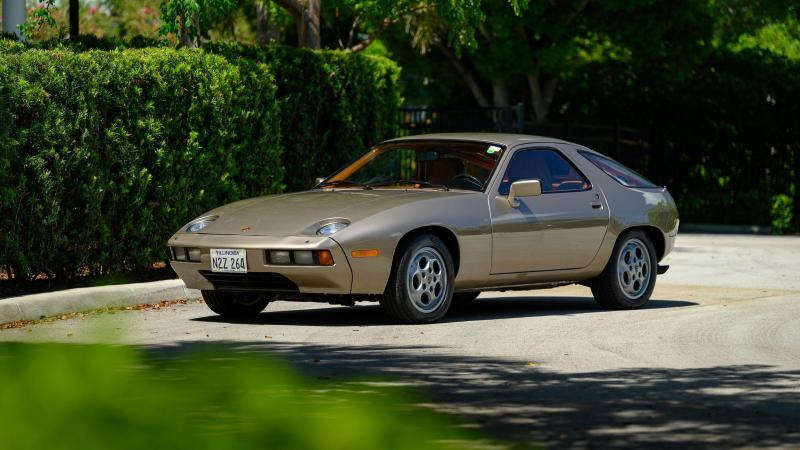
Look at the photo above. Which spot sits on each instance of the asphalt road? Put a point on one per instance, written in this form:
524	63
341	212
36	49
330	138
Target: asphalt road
713	362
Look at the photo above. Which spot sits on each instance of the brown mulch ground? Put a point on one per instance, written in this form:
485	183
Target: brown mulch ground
81	315
12	288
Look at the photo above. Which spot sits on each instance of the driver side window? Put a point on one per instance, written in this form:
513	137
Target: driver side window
553	170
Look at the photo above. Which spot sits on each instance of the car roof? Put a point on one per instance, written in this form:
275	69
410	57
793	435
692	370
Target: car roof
506	139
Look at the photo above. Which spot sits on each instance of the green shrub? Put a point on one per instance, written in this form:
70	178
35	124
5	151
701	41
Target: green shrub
102	397
782	216
333	105
8	44
104	154
86	42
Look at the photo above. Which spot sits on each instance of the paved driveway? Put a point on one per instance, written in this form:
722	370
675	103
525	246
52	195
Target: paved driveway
713	362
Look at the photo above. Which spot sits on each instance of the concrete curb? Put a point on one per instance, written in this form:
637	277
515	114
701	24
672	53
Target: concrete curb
39	306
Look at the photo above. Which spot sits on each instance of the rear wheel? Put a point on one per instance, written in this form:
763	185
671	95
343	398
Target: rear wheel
629	277
230	304
420	287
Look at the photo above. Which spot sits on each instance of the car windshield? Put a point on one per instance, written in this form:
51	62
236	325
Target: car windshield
420	165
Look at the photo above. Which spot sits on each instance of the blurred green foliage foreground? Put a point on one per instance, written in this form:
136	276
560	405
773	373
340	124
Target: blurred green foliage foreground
102	397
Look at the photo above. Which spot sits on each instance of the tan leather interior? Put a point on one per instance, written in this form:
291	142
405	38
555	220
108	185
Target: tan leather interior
442	169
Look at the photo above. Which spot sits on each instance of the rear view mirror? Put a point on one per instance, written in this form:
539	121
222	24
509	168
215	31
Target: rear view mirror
523	188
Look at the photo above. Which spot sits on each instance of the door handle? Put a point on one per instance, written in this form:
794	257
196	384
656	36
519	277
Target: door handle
596	205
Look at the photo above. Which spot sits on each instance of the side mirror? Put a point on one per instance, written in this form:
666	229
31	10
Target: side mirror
523	188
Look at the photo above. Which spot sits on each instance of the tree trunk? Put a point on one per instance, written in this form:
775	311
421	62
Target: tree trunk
500	95
74	20
469	77
311	15
542	95
190	41
14	15
266	31
262	23
306	16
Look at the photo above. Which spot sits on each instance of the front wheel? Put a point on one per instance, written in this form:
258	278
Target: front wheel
230	304
629	277
420	287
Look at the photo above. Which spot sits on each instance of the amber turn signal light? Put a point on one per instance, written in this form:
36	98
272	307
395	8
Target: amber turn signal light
365	253
325	258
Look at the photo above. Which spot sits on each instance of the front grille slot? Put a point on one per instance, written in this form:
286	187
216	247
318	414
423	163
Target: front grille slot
252	281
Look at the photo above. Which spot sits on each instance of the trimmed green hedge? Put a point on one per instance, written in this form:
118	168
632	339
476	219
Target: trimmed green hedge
9	45
334	104
104	154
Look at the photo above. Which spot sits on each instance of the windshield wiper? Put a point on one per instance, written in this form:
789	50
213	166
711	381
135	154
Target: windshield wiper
424	183
334	183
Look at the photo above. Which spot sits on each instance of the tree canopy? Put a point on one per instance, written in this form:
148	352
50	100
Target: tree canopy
498	51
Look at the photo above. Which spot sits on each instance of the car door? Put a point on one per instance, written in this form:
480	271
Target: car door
560	229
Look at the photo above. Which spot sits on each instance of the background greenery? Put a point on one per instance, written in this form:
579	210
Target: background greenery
711	86
727	131
101	397
104	154
336	104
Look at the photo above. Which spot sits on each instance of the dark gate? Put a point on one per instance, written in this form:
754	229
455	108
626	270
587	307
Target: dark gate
506	119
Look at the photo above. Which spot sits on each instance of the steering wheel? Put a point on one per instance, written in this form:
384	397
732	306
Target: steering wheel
468	178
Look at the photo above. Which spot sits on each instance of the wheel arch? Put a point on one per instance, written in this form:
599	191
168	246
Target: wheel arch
656	237
445	234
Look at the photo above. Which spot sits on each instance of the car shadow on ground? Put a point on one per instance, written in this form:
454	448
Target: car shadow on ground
491	308
737	406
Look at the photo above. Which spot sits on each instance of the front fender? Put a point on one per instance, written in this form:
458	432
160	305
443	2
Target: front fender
466	216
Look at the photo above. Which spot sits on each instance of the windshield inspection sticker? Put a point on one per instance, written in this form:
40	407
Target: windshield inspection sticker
493	149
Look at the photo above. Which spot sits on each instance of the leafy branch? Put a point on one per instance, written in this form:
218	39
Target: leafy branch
190	20
40	18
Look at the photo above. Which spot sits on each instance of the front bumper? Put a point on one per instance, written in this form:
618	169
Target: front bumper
335	279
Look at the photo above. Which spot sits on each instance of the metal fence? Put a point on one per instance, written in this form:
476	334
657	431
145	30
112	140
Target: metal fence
629	145
735	184
507	119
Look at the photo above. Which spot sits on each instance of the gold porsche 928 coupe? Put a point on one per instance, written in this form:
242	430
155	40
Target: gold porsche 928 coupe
422	222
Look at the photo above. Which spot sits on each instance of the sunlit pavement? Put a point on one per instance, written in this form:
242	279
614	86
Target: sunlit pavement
713	362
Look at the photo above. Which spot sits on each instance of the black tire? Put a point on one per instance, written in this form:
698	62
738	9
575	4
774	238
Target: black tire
398	303
231	304
609	289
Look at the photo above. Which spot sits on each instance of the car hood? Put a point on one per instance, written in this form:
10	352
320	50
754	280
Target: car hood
303	212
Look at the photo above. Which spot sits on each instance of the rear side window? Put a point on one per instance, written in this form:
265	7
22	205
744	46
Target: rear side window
624	175
554	172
